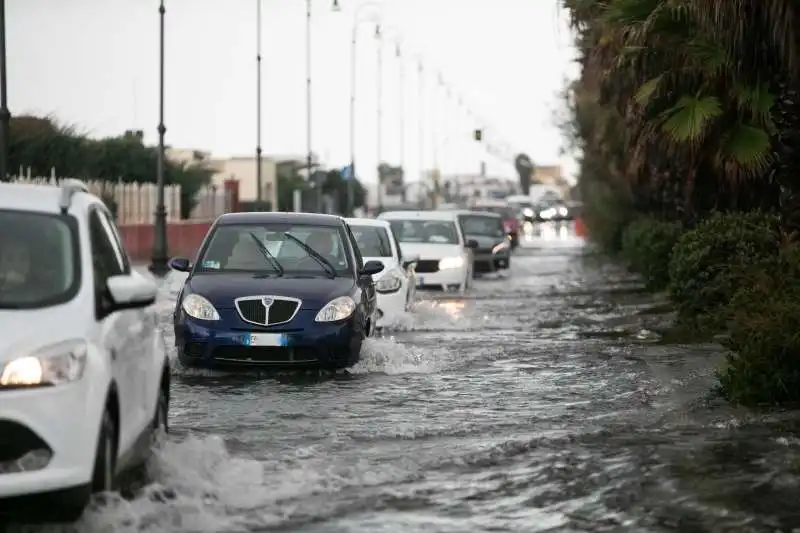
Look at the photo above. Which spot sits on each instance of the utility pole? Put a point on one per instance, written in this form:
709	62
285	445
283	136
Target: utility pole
259	166
5	115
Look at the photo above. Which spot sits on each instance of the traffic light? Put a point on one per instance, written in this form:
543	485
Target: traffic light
478	135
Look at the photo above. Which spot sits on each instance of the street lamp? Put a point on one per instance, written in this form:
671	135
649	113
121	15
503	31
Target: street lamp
259	170
380	33
159	265
309	125
379	114
421	118
5	116
353	84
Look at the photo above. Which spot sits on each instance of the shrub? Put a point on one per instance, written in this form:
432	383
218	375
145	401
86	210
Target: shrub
764	338
647	245
708	262
606	214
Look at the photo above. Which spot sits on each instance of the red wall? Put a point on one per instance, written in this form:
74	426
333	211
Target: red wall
183	239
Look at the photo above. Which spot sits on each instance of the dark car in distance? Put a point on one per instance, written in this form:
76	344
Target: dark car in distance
493	250
275	290
511	221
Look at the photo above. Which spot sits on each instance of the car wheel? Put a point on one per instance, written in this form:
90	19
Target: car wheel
105	459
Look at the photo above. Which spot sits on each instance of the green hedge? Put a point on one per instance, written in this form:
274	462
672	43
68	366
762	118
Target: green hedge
647	245
764	334
708	263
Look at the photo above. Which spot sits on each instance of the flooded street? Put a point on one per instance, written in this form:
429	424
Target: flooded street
542	400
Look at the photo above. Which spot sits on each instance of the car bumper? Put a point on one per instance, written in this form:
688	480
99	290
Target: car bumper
62	421
441	278
201	345
489	262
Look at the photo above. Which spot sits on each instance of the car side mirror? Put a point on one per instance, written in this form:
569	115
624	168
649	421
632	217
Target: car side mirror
472	244
371	268
131	291
181	264
410	260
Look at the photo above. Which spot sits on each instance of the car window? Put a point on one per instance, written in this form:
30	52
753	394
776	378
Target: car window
359	256
483	226
425	231
110	228
242	247
106	261
372	241
39	259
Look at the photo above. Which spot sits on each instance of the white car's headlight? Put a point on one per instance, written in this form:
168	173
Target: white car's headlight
337	309
500	247
198	307
52	365
390	282
528	212
451	262
562	211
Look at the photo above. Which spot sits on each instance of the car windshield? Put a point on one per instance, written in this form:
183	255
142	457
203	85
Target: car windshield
373	241
277	249
502	210
39	259
482	226
425	231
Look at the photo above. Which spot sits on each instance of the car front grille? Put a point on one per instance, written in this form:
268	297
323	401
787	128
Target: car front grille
264	355
427	266
267	310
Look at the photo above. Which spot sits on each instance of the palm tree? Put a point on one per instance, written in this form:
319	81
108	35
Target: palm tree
703	93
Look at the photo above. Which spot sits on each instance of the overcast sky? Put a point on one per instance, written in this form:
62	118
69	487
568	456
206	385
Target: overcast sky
94	64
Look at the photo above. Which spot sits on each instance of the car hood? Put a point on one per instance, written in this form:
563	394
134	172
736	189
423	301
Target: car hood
427	250
222	289
486	242
21	337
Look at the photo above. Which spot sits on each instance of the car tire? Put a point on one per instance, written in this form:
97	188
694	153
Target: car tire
160	419
105	459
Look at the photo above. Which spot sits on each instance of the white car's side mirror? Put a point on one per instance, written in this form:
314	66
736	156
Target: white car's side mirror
130	291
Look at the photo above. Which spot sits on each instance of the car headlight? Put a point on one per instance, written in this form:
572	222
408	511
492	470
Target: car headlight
52	365
548	213
390	282
562	211
337	309
528	212
198	307
500	247
451	262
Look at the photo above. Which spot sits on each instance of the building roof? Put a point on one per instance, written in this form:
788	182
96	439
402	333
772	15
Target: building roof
311	219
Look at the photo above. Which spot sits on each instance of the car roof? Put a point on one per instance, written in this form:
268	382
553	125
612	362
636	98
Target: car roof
40	198
259	217
420	215
367	222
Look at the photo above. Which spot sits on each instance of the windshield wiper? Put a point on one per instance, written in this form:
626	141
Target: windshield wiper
329	268
267	255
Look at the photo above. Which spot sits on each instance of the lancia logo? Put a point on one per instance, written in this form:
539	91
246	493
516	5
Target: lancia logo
267	302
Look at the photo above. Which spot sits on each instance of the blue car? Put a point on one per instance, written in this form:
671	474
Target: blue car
275	290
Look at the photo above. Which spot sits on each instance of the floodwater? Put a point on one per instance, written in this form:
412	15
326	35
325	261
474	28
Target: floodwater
542	400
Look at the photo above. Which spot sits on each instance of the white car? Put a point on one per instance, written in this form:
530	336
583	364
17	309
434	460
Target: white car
84	373
445	255
396	285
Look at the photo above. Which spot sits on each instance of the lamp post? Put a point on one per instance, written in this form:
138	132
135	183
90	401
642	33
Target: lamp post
353	84
159	265
309	155
421	118
379	114
5	116
259	169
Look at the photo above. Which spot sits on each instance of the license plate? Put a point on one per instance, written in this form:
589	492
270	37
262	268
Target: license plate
266	339
420	281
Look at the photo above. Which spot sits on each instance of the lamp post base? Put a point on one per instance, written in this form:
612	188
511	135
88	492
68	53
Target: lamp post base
159	265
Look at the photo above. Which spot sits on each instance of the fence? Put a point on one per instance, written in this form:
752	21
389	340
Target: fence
135	203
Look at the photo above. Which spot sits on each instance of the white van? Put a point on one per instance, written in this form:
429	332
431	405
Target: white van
445	256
